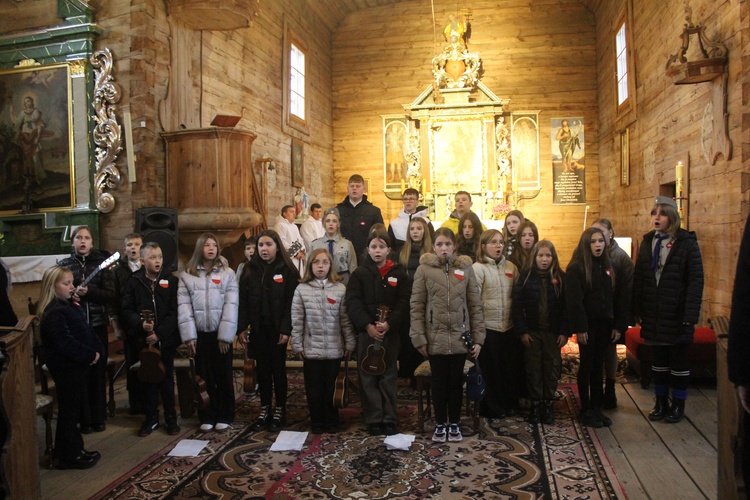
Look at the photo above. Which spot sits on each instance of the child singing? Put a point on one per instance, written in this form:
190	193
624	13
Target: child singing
207	306
322	334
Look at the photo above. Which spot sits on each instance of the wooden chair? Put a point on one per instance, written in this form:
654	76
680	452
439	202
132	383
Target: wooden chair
423	376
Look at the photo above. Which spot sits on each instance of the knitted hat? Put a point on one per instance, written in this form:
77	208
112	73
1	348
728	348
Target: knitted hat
665	200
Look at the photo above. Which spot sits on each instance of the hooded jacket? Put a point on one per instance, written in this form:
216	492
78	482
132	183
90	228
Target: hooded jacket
496	281
445	302
208	303
321	328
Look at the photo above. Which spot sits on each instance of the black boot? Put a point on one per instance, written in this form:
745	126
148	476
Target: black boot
263	419
536	413
660	408
676	411
548	413
610	398
279	419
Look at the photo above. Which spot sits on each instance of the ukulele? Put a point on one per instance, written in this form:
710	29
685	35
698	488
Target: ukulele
341	390
201	399
152	370
374	362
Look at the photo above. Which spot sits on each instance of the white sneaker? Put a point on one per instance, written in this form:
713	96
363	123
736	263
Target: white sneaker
454	433
221	426
207	427
439	435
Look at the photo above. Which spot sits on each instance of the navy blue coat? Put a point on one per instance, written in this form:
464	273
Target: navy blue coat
664	308
67	338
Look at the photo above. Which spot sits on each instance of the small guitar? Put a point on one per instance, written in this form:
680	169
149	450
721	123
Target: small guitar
201	399
152	370
374	362
341	390
111	261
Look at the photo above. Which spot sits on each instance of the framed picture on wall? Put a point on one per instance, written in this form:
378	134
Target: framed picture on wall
298	163
625	157
395	146
36	139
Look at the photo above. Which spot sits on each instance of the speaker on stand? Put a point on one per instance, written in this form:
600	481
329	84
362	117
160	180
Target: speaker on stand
159	224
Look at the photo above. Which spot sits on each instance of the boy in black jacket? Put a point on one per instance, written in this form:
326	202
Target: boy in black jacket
149	290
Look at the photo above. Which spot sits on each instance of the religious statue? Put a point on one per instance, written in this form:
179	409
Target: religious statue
457	32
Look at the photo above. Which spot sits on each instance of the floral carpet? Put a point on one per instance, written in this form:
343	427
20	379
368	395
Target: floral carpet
506	458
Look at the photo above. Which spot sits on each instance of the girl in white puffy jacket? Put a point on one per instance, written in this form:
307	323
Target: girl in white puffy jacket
207	300
322	333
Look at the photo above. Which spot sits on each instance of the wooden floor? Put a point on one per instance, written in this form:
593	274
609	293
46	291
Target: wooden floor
651	459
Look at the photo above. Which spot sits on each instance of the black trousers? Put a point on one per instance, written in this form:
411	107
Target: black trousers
136	389
501	360
215	369
671	366
270	358
70	403
320	384
447	386
95	403
166	389
590	373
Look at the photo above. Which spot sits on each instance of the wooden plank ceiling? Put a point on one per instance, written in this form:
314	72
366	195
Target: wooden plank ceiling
331	12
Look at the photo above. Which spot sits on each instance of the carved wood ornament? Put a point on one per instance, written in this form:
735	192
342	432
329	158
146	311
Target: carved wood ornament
711	68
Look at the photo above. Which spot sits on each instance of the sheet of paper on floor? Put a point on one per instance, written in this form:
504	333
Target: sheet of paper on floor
289	441
188	448
399	441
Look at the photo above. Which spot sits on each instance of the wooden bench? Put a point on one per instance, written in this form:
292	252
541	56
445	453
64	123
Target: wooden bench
701	353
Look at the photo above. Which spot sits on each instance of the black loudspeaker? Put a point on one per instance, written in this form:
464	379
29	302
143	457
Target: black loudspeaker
159	224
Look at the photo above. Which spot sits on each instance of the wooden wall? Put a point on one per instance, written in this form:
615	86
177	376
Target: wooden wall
541	54
668	121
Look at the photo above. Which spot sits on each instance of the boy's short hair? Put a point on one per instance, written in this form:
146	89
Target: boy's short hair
285	208
252	241
315	206
149	245
411	191
132	236
463	192
356	178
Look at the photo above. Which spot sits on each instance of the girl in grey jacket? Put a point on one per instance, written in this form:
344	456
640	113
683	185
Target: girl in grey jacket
322	333
207	300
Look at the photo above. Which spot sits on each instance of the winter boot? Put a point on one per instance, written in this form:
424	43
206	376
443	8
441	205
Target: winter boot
660	408
676	411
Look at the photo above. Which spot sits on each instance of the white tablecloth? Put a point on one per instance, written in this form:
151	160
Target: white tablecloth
31	267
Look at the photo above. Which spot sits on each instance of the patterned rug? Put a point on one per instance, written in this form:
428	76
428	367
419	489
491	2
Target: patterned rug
506	458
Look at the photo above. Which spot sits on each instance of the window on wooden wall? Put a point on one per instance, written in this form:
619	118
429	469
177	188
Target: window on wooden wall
625	76
296	103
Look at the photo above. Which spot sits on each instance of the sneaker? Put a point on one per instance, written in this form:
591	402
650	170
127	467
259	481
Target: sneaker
439	435
454	433
172	428
221	426
207	427
147	427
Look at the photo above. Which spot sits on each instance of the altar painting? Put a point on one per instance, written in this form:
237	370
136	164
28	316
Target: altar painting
395	145
458	155
525	151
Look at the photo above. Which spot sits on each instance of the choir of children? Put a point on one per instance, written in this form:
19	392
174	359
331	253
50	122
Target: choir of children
512	311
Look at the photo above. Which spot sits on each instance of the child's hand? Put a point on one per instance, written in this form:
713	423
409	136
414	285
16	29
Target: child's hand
616	335
526	340
96	358
224	347
382	327
243	336
283	339
152	339
561	341
475	351
191	348
374	333
148	326
423	351
583	338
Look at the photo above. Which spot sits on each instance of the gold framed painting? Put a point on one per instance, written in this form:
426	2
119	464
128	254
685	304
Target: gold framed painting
625	157
37	169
